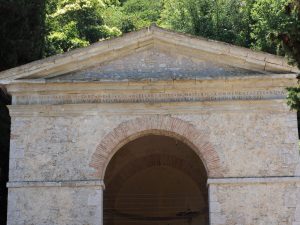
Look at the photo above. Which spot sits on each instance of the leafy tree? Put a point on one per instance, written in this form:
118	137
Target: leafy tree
131	15
294	97
269	19
76	23
114	16
140	13
290	39
188	16
225	20
276	29
290	36
21	32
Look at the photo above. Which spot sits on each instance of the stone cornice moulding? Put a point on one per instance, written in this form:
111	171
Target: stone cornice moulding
150	97
252	180
135	41
42	81
278	106
250	88
100	183
70	184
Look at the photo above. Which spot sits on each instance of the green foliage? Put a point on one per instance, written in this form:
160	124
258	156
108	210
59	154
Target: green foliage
76	23
142	12
293	98
267	25
224	20
269	20
21	32
188	16
290	39
290	36
114	16
249	23
107	32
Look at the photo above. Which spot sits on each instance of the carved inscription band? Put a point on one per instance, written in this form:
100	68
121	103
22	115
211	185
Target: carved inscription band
150	97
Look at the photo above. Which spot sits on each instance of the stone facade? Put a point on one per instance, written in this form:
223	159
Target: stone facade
66	126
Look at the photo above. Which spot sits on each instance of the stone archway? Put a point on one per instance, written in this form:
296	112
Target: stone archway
154	180
158	125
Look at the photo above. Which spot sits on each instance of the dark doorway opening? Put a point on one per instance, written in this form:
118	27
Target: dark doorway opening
5	122
155	180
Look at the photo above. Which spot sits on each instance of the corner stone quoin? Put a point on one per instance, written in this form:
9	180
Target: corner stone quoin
159	125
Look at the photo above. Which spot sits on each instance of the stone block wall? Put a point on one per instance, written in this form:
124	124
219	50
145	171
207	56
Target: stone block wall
250	141
159	64
256	201
75	204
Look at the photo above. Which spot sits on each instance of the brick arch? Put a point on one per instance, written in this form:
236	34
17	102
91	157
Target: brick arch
157	125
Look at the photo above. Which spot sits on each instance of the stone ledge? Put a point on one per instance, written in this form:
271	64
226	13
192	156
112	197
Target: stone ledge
150	97
252	180
36	184
266	106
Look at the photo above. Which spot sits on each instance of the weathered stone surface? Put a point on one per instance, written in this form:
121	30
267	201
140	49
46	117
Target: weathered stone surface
78	110
248	138
155	64
55	206
272	203
61	147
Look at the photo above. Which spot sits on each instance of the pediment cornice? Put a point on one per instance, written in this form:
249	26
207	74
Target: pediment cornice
151	37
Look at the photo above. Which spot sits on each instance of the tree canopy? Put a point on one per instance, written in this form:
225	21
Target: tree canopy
267	25
22	32
249	23
35	29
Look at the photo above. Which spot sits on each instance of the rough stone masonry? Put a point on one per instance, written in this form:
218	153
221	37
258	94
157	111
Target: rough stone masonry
72	113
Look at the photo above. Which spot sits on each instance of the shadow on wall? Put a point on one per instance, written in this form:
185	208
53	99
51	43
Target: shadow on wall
5	100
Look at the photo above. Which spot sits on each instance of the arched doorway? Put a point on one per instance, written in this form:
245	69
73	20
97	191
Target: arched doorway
155	180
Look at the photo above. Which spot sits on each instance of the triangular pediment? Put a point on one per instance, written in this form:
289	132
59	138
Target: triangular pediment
156	64
151	53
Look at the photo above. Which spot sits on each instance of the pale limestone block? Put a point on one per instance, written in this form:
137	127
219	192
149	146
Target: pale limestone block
297	213
239	51
95	198
275	67
290	199
217	218
297	170
16	150
214	207
257	55
275	60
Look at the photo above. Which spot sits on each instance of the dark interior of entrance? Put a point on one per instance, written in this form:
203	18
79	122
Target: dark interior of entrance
155	180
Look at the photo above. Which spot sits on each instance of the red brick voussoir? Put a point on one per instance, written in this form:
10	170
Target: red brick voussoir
158	125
